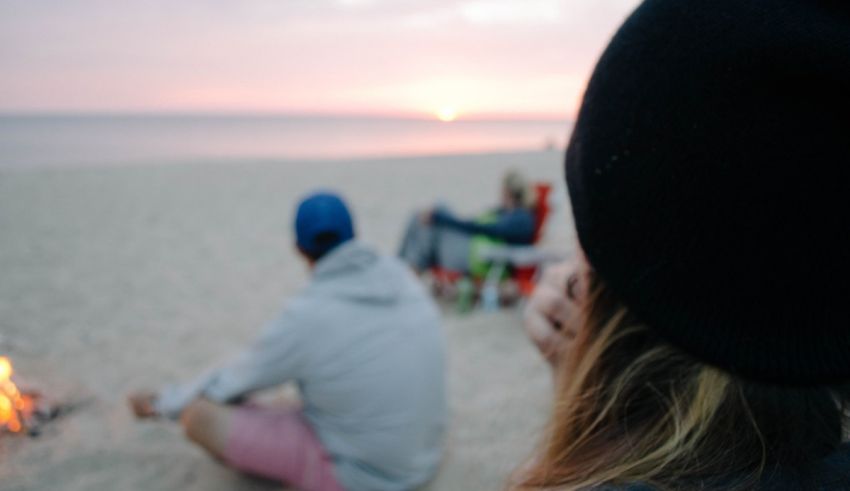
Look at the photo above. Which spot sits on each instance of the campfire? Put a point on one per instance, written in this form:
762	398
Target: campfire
22	411
15	408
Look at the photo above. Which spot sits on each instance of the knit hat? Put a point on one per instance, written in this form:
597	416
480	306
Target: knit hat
709	174
322	223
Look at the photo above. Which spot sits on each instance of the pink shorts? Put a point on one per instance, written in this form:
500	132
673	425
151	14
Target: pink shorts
279	444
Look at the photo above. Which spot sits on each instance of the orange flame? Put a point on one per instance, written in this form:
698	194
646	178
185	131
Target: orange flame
14	406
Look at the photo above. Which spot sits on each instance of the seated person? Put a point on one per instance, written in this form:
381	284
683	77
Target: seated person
364	345
437	238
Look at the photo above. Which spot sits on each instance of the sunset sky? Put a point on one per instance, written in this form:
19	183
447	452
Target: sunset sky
475	58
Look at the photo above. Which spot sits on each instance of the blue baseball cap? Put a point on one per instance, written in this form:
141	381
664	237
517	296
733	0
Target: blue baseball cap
322	223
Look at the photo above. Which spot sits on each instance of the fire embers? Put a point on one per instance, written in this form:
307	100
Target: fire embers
15	408
20	411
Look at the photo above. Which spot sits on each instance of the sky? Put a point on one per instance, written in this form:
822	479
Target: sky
473	58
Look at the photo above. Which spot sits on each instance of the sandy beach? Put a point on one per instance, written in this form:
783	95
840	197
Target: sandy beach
116	278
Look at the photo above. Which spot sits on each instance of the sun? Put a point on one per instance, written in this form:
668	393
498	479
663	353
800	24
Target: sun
447	114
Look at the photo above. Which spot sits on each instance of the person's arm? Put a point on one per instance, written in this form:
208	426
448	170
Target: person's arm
516	227
273	358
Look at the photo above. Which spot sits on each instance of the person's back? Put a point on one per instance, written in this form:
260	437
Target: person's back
373	369
363	342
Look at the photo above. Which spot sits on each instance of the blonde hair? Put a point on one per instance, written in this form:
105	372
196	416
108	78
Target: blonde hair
631	408
517	185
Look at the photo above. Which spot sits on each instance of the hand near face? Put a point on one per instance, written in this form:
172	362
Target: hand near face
551	318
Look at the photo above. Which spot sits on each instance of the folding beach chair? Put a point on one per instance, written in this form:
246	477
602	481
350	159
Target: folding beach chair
518	263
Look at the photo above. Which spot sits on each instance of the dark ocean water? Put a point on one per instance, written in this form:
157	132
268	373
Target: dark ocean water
64	140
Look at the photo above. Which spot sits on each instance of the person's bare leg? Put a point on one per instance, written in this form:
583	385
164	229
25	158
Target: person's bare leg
207	424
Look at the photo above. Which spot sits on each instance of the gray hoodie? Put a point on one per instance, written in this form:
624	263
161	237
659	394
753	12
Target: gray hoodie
364	344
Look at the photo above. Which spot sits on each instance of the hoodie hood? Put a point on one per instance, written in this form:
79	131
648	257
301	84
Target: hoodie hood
357	272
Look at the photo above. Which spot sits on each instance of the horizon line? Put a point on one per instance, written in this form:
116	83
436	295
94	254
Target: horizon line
412	116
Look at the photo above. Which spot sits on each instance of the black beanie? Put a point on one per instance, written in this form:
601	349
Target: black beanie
708	174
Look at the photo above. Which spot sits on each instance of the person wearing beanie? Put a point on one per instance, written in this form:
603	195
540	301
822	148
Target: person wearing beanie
700	339
364	346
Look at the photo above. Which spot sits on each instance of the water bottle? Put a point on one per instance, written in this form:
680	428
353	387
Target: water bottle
465	294
490	296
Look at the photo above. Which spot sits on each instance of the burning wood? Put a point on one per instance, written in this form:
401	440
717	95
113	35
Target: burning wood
22	411
15	407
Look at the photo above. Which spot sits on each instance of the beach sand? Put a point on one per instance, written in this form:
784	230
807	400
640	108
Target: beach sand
117	278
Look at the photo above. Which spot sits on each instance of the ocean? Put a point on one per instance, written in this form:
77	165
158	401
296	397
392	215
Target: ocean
102	140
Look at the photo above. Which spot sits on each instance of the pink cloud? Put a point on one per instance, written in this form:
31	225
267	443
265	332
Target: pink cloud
381	56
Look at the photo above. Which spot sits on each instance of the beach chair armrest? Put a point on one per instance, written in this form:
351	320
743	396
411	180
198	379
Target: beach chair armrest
518	256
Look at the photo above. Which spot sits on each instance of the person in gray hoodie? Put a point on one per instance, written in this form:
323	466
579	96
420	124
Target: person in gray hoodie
363	343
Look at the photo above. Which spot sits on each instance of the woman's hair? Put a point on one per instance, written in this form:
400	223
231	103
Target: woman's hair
630	408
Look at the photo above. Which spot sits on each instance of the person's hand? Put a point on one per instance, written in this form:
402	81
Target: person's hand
142	403
551	317
441	215
427	216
